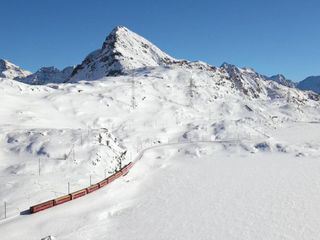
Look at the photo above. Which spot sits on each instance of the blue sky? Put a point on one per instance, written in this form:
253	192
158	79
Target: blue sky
270	36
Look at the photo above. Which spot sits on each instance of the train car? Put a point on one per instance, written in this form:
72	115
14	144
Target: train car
113	177
103	183
130	165
61	200
118	174
78	194
93	188
124	171
41	206
126	168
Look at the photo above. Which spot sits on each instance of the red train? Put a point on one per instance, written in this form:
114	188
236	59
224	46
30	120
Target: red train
60	200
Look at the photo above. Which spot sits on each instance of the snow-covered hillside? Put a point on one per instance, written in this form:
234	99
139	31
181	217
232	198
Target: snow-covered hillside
9	70
202	190
226	131
47	122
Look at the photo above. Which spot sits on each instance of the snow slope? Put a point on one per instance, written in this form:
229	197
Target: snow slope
164	111
192	191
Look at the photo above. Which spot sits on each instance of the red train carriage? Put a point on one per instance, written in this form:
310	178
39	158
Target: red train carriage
103	183
82	192
92	188
41	206
78	194
61	200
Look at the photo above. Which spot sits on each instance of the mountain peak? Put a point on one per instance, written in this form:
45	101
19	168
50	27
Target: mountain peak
120	29
281	79
310	83
122	50
279	76
227	65
116	34
10	70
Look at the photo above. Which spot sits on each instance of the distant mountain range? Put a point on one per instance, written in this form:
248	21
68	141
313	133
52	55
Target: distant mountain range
124	50
310	83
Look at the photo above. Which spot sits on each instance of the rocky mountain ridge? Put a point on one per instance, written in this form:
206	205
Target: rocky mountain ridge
124	51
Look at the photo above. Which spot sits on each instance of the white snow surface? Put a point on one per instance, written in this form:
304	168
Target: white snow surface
261	182
192	191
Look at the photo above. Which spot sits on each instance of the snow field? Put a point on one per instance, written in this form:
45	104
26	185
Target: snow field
164	113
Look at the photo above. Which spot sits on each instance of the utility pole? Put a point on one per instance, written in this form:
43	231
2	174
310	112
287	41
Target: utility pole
288	96
90	180
133	97
191	90
68	187
39	167
5	209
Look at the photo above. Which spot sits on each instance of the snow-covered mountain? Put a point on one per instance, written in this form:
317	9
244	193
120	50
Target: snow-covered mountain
121	51
224	119
152	99
279	78
47	75
12	71
43	76
124	51
310	83
245	80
